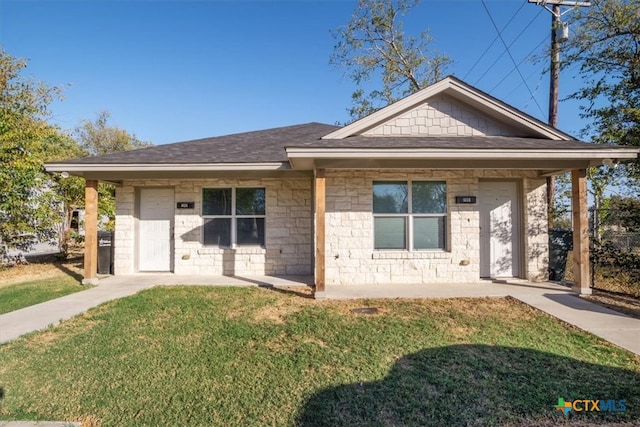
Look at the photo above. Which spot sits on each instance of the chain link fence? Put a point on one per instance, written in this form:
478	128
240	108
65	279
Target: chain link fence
614	251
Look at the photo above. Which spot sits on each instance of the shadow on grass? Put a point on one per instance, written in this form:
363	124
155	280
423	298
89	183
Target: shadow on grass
287	291
476	385
68	271
278	289
577	303
58	261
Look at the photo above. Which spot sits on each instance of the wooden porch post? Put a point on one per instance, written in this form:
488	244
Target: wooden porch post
90	232
319	187
581	274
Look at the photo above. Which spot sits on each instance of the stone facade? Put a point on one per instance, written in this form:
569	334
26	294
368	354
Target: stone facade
536	237
350	255
288	230
442	116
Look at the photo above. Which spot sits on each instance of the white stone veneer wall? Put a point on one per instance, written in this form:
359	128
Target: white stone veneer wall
288	240
351	259
536	235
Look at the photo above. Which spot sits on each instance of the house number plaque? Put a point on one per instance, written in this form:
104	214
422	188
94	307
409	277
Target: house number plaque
465	199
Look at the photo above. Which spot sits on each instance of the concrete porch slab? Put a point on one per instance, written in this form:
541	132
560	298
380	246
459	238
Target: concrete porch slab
173	279
486	288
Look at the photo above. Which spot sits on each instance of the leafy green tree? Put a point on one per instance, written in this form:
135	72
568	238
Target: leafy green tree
36	206
374	47
606	46
625	212
26	198
97	138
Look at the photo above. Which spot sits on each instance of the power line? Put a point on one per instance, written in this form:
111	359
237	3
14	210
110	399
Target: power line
511	56
511	44
539	70
528	55
494	40
536	90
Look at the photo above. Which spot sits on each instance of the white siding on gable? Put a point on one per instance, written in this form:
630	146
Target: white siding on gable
442	116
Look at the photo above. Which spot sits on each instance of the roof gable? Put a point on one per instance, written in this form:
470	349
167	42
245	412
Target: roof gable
449	107
443	115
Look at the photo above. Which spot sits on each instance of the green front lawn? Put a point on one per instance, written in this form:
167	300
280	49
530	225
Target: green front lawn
24	294
248	356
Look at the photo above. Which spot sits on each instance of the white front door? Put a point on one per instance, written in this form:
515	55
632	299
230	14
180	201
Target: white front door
155	240
499	238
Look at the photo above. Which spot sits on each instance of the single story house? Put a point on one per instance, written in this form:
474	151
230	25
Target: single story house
446	185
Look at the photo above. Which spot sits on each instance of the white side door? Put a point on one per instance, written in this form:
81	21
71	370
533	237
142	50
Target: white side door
499	238
155	232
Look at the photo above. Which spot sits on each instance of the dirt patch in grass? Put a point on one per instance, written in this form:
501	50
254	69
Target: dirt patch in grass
625	304
90	421
316	341
276	313
76	326
42	268
618	281
43	339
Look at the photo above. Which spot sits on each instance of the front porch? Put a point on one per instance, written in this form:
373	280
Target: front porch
328	214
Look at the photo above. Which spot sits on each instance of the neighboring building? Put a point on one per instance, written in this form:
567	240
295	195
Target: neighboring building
446	185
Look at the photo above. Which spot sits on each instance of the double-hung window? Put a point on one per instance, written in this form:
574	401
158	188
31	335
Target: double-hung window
409	215
233	216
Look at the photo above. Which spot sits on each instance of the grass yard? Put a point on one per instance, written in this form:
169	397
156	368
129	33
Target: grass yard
249	356
41	280
15	296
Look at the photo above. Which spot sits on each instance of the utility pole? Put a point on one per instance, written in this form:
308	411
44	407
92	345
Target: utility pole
554	75
554	82
559	33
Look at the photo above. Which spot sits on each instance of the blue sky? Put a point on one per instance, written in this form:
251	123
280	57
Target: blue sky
177	70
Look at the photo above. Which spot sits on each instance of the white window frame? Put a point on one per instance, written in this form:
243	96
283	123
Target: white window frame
409	216
233	235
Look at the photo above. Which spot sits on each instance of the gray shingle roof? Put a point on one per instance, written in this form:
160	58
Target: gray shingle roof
264	146
269	145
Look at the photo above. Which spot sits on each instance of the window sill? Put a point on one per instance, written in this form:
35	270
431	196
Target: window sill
249	250
433	254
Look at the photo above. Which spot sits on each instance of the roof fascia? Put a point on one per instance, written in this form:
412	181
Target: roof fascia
502	109
183	167
467	153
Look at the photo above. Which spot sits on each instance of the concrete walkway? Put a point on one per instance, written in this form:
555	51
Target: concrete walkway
43	315
617	328
36	317
551	298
